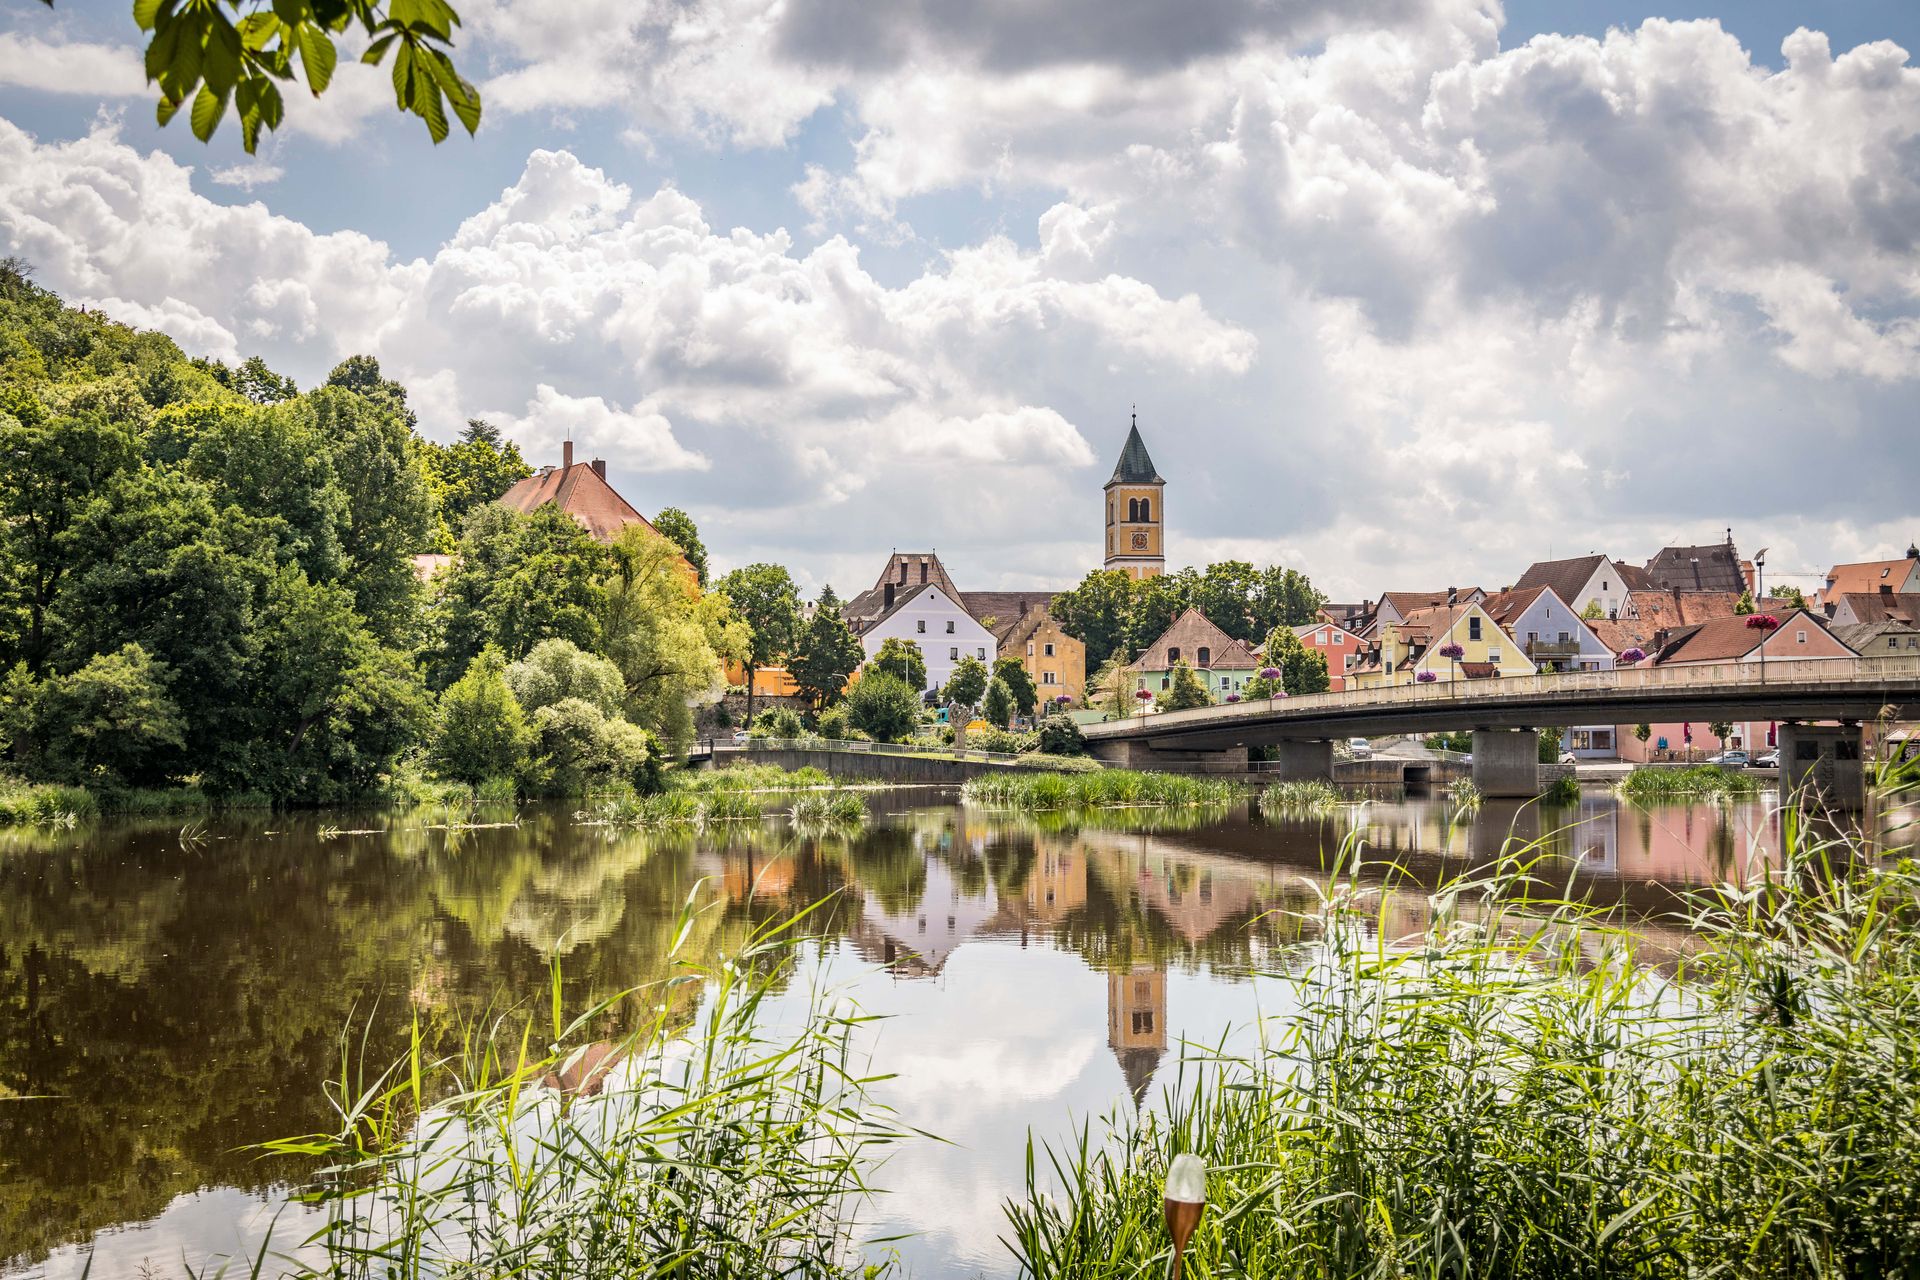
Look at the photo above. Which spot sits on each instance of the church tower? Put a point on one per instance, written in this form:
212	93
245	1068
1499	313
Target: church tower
1136	516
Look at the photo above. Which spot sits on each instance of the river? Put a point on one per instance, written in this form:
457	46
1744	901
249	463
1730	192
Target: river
170	996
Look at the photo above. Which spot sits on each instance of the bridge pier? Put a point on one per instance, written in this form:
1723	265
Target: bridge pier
1303	760
1825	763
1506	763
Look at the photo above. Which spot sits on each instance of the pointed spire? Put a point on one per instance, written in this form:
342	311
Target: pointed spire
1135	465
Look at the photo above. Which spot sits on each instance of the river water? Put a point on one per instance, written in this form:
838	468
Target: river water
169	997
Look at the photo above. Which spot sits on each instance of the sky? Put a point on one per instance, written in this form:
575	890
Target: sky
1405	293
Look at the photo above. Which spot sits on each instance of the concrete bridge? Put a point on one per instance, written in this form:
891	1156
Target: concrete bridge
1504	716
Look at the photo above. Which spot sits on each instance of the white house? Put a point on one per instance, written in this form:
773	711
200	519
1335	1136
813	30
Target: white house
933	619
1584	581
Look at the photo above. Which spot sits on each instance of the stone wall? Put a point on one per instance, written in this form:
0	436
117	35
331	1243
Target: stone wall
865	766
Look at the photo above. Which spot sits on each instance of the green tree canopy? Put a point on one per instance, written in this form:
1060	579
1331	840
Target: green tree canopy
678	528
996	704
968	682
558	669
470	473
1186	691
1008	671
1302	670
669	640
765	598
827	654
902	660
517	580
480	731
883	706
112	721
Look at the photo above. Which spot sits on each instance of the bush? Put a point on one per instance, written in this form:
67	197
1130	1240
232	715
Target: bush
884	706
1060	736
111	721
481	730
778	722
993	739
836	723
580	749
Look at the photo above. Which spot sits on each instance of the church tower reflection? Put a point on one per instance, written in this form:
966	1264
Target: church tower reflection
1137	1023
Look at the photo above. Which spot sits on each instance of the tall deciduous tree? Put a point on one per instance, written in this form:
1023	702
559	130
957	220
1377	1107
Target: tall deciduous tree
827	654
996	704
670	641
469	473
480	731
1097	612
518	580
766	599
387	507
50	468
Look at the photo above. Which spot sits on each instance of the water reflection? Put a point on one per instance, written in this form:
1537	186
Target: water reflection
165	1001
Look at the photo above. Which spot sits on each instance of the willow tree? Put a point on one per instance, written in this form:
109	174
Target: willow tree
670	640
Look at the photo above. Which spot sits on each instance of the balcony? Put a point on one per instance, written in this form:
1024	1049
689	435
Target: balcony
1544	650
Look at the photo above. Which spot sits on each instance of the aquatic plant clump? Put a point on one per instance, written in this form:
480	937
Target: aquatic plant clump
1301	796
1463	794
1512	1092
1700	781
702	1149
1098	789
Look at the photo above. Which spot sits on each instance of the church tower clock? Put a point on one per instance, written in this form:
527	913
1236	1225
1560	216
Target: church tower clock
1136	514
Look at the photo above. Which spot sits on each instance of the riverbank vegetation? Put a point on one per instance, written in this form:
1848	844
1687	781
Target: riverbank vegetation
1301	796
208	586
1699	782
1102	788
1513	1090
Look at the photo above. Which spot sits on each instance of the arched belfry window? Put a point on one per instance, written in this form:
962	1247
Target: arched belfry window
1146	510
1133	510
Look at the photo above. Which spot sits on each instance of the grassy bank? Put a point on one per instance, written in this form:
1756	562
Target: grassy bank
1513	1092
31	803
1701	781
1099	789
697	1144
1309	795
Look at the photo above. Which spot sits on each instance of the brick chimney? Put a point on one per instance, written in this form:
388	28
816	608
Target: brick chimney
566	454
600	467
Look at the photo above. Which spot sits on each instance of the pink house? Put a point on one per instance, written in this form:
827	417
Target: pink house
1339	646
1799	636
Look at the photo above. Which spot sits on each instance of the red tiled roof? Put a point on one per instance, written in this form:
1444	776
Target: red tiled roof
1506	606
1723	639
1867	576
1566	577
1879	606
580	491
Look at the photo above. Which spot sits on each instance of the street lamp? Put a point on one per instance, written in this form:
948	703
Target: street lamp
1186	1194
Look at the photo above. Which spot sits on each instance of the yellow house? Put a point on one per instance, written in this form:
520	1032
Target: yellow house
1136	514
1422	640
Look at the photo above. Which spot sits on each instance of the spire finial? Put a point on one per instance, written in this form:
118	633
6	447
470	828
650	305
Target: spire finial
1136	415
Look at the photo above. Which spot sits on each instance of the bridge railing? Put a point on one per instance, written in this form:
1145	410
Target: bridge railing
1866	673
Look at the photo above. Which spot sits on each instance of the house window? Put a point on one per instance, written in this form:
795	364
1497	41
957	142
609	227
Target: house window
1800	637
1047	677
1048	650
1029	648
921	626
983	654
1173	654
1493	655
953	654
1206	656
1165	682
1473	628
923	573
1143	1022
949	626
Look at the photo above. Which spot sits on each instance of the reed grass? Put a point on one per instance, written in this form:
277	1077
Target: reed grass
1564	791
828	808
1462	794
1701	781
1102	788
1309	795
711	1147
747	777
1513	1091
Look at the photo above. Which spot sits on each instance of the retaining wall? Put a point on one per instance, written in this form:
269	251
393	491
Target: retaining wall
864	766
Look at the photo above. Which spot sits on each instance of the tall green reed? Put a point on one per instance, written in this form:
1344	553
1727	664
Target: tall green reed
710	1140
1511	1090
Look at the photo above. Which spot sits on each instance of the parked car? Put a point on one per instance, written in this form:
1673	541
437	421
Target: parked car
1767	760
1360	748
1731	760
1567	757
739	737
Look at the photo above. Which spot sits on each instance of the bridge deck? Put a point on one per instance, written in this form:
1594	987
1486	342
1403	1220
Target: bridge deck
1796	689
